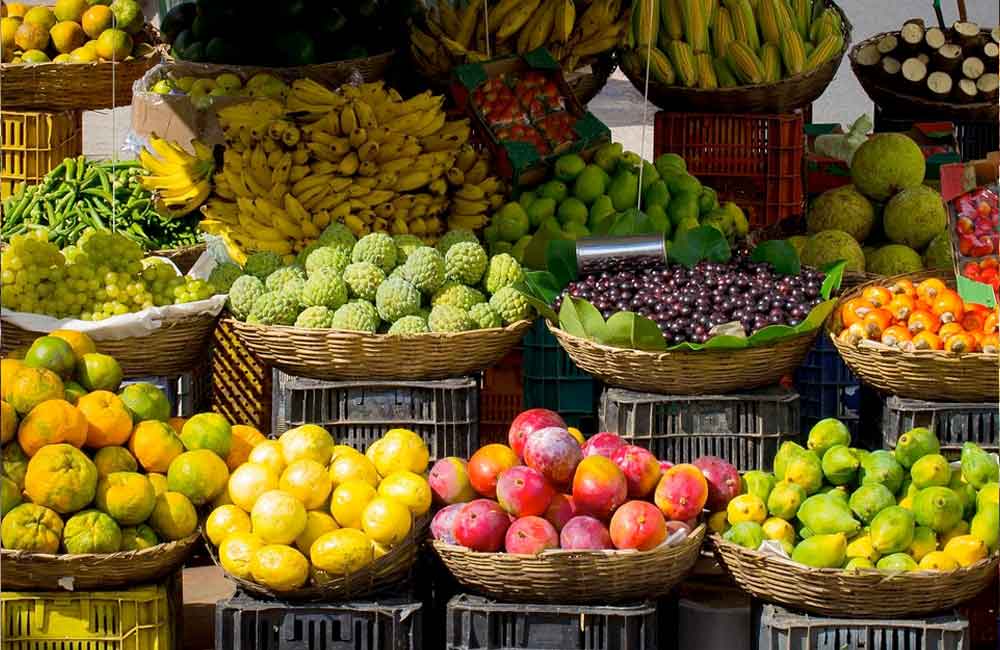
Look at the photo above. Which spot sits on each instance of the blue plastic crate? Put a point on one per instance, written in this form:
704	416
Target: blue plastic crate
827	388
553	381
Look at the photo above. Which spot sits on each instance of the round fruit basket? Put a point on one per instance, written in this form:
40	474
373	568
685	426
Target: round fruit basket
183	258
342	355
688	372
782	96
390	569
47	572
574	576
934	375
865	593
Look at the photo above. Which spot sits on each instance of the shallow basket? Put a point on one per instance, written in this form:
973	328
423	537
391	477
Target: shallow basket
931	375
332	73
782	96
183	257
570	577
93	571
863	594
337	355
686	372
176	347
386	571
894	101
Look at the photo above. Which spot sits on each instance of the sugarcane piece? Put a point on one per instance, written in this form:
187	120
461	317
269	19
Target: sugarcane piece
890	70
995	35
887	44
991	51
947	58
912	33
914	73
934	38
924	58
868	56
973	68
940	84
987	86
967	34
966	91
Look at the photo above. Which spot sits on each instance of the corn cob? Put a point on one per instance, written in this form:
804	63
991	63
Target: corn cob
695	25
645	22
774	18
744	23
660	68
744	63
825	50
682	58
802	14
722	33
793	51
708	9
706	73
828	23
770	58
671	19
723	74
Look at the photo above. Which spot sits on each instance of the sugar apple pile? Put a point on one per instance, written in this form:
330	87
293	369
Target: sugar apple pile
381	284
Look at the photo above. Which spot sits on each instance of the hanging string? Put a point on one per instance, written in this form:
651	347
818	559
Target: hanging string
114	147
645	104
486	23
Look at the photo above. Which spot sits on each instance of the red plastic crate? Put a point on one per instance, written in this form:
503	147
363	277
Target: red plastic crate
755	161
501	398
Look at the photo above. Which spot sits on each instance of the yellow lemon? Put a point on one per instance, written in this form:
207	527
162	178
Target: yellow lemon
746	507
409	489
386	521
269	455
236	551
308	441
224	521
83	55
349	500
279	567
352	467
924	541
307	481
961	528
861	547
278	517
718	522
159	482
317	523
248	482
965	549
937	561
174	517
778	529
400	449
342	552
341	450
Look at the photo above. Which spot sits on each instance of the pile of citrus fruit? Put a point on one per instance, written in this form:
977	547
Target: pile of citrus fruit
303	508
90	466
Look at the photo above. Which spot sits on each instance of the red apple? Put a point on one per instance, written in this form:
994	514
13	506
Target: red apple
481	525
598	487
554	453
527	423
584	533
487	464
639	525
603	444
640	467
560	510
523	491
723	481
530	536
443	523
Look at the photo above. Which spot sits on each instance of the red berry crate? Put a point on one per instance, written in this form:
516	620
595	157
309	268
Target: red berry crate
752	160
501	398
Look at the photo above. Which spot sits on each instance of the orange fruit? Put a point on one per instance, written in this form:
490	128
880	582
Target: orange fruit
400	449
224	521
109	422
280	567
155	445
412	490
74	391
41	16
83	55
97	19
278	517
30	36
67	36
10	495
348	467
307	481
349	500
268	453
244	439
98	371
8	28
8	423
138	538
200	475
70	9
317	524
128	497
342	552
8	368
32	386
30	527
60	477
159	482
35	56
307	441
51	422
109	460
248	482
91	531
386	521
146	401
236	552
176	424
208	431
14	463
114	45
17	9
173	516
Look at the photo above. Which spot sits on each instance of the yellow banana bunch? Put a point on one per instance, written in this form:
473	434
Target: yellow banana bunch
180	181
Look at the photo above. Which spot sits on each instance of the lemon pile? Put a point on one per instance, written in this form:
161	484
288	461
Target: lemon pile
303	507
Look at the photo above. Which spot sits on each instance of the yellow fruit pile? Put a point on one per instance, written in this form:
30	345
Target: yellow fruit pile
304	506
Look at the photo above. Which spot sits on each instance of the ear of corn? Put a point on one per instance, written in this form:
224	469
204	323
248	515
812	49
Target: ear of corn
708	9
744	23
828	23
793	51
671	19
770	58
645	22
767	17
723	74
660	68
695	25
825	50
722	33
744	63
682	57
706	72
802	15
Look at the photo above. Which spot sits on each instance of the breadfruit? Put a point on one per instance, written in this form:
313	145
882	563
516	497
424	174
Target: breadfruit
886	164
843	208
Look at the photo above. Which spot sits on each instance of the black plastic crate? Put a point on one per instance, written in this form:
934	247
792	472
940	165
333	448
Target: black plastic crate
827	388
746	428
954	423
445	413
476	623
780	629
553	381
975	139
245	623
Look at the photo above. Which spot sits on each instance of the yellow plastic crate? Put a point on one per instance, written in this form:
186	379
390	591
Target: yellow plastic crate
135	619
241	383
33	143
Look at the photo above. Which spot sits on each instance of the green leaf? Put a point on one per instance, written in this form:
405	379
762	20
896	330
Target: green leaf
727	342
630	330
834	276
817	315
779	254
569	319
593	322
560	259
771	334
697	244
631	222
541	290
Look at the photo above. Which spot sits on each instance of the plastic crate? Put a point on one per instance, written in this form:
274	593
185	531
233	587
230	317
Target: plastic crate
755	161
780	629
245	623
182	391
501	397
745	429
953	423
982	613
476	623
553	381
357	413
827	388
34	143
141	618
975	139
240	383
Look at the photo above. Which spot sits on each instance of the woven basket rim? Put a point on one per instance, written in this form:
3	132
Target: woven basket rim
513	328
166	321
117	556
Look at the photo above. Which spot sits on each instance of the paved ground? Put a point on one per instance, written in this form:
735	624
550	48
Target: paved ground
621	106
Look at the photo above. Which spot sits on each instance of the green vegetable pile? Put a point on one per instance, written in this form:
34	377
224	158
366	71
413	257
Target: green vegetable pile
80	194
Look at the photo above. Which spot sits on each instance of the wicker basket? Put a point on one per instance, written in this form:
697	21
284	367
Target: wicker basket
175	348
778	97
904	104
588	85
573	576
868	594
75	86
339	355
931	375
702	372
183	258
43	571
386	571
333	73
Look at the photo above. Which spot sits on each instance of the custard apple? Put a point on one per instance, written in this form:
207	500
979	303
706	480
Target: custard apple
457	295
424	269
485	316
328	257
316	317
303	254
324	288
262	264
274	308
511	305
405	245
446	318
277	280
363	280
377	248
337	234
503	271
245	290
409	325
223	275
453	237
357	315
396	298
465	262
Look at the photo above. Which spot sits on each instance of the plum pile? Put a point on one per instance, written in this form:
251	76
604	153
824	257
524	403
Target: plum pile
688	303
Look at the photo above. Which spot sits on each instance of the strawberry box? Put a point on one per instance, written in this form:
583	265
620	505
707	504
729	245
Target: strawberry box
526	113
